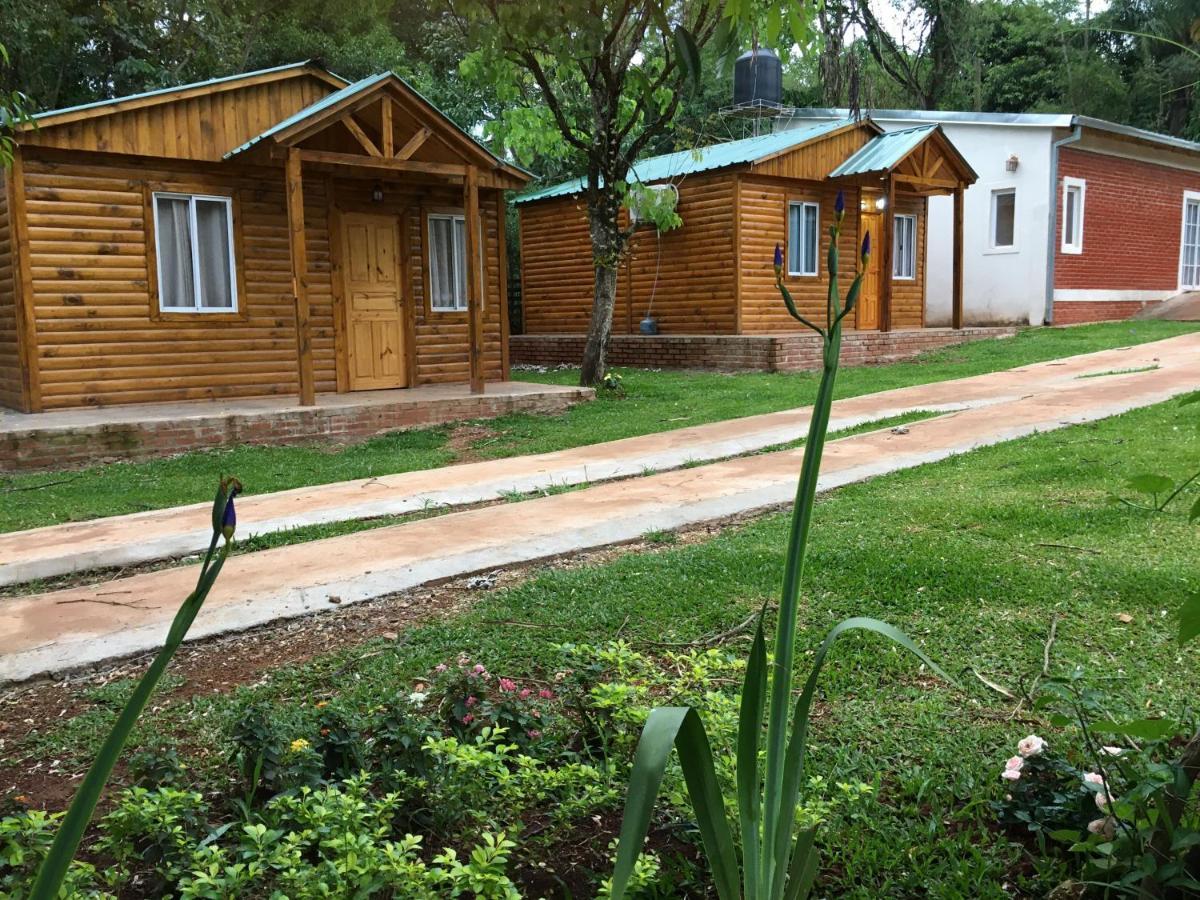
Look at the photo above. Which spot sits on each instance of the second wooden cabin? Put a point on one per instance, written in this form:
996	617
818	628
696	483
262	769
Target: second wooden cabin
715	274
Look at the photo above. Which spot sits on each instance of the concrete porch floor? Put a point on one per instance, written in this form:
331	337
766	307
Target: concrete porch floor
71	437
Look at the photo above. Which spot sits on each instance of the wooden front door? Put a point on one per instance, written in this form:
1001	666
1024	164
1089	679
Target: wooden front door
375	351
867	315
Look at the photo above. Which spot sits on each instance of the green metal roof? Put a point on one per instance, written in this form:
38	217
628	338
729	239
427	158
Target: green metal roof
162	92
883	151
703	159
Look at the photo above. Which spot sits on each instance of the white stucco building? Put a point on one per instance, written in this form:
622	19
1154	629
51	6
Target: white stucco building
1072	219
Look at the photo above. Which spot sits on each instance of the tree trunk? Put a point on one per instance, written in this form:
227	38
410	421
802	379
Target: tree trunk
607	244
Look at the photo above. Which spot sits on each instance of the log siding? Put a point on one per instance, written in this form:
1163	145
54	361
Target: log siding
11	394
100	342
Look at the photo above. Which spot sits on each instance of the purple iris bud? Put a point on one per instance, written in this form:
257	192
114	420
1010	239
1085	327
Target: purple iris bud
839	205
229	519
866	251
778	257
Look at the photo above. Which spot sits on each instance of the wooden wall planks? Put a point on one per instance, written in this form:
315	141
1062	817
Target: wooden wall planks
98	343
203	127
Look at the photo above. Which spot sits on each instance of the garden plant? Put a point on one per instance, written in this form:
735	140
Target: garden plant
777	860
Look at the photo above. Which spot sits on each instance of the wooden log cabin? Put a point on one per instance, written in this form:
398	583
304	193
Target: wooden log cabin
282	232
715	274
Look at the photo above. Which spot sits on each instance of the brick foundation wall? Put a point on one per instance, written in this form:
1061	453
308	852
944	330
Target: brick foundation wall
1077	312
748	353
31	448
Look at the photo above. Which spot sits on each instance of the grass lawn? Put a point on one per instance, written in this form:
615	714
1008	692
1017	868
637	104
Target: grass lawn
656	401
973	557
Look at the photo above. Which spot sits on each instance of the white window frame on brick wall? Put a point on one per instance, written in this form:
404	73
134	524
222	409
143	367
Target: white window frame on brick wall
1189	198
904	256
993	247
1072	239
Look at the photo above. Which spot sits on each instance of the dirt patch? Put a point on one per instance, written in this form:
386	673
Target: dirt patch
464	438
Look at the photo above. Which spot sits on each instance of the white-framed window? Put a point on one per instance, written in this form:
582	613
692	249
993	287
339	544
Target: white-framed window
1189	243
904	249
1072	214
193	246
1003	231
803	237
447	252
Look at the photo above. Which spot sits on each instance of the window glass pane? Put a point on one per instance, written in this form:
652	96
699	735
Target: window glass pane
460	270
173	245
212	243
1003	215
810	239
441	263
904	250
1072	199
795	235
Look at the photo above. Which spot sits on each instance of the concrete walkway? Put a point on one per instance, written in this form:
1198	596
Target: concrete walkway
161	534
59	630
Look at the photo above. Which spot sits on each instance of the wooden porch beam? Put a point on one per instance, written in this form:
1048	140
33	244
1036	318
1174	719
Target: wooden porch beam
474	300
956	284
387	135
299	258
925	182
885	256
361	136
26	314
378	162
413	144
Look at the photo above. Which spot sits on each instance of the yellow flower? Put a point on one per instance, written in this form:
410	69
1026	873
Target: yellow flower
299	744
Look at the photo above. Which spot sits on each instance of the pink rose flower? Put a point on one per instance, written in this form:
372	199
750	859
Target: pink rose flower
1103	826
440	667
1031	746
1104	801
507	685
468	719
472	700
1094	778
479	669
1012	769
526	693
533	734
546	694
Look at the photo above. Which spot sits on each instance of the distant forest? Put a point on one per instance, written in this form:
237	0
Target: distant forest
1134	62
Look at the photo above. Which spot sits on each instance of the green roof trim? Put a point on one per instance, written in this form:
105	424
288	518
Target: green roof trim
163	92
703	159
883	151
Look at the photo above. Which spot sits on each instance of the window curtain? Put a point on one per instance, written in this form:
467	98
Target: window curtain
460	268
174	246
441	263
212	227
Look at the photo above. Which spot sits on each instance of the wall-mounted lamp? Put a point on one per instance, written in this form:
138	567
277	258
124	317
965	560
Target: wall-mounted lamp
377	193
1010	164
881	203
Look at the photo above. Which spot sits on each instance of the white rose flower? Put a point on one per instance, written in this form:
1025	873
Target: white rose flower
1031	746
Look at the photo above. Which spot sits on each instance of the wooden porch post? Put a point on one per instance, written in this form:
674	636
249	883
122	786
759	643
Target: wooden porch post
26	314
474	300
295	213
885	257
956	289
502	230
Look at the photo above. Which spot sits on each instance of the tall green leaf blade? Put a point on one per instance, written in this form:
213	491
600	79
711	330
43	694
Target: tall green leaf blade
681	727
802	871
750	722
785	802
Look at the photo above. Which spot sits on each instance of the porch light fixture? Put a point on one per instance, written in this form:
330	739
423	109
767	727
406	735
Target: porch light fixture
377	193
1010	164
881	203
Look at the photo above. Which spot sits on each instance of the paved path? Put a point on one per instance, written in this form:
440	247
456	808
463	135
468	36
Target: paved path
59	630
161	534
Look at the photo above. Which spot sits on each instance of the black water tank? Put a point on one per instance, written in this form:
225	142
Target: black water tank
758	78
